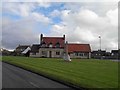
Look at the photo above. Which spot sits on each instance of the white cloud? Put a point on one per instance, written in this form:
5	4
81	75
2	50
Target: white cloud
23	30
55	13
44	4
99	7
20	9
85	26
60	1
79	24
41	18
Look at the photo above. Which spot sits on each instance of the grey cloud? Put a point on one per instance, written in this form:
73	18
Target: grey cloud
16	33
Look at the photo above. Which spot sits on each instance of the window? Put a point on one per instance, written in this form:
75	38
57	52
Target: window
43	44
112	54
57	53
80	54
57	44
50	45
76	54
43	52
34	53
85	54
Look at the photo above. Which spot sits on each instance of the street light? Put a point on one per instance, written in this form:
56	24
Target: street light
100	42
100	46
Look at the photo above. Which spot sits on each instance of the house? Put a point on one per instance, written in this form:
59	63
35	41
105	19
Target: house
20	48
79	50
35	50
5	52
1	51
52	47
114	54
55	47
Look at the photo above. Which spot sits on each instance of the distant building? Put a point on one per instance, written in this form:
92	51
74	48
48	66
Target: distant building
119	54
114	54
98	54
20	48
4	52
105	55
1	51
54	47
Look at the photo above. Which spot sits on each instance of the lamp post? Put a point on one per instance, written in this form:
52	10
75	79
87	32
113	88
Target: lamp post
100	45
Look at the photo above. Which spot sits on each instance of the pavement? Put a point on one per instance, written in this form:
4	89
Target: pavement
15	77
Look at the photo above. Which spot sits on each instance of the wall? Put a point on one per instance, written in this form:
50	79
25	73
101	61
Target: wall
47	52
34	55
73	55
53	53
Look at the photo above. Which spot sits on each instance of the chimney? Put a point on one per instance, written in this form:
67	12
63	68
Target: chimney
41	36
64	37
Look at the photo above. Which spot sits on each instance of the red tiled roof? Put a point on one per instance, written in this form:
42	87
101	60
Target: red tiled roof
79	48
54	40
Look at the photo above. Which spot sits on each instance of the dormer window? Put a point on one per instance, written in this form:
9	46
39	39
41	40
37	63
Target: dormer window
50	45
43	44
57	44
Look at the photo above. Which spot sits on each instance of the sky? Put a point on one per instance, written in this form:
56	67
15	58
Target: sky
81	22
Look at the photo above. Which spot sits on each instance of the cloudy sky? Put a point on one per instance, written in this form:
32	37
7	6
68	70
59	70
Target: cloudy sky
81	22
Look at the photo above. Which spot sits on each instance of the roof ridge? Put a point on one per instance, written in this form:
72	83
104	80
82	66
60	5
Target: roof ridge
78	44
23	45
53	37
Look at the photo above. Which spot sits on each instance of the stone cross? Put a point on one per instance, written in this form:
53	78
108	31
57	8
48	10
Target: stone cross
66	55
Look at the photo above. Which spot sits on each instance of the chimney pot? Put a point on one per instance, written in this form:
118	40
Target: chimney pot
41	36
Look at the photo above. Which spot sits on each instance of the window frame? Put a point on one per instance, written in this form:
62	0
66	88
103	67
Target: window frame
57	52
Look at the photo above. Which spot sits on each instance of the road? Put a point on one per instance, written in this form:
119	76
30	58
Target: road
0	75
14	77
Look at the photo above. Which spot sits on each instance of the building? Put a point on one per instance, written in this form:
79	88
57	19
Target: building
114	54
1	51
79	50
4	52
55	47
98	54
51	47
119	54
20	48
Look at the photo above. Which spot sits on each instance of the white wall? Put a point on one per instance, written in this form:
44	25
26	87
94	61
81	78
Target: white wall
72	55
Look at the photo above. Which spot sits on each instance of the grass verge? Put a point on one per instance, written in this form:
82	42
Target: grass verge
80	72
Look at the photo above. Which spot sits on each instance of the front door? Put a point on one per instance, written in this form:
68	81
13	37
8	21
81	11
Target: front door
50	54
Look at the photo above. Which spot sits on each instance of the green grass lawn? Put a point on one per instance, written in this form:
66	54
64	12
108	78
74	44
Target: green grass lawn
85	73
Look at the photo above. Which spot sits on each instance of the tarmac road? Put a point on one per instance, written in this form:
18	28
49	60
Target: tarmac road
14	77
